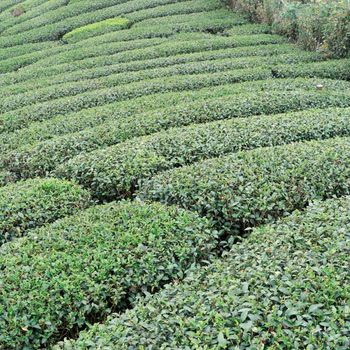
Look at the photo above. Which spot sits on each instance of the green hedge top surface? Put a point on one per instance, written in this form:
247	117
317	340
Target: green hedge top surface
76	271
253	187
33	203
287	286
116	171
97	28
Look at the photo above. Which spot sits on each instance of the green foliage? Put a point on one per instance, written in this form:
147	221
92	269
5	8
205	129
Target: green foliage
33	203
114	172
58	279
254	187
284	287
131	113
42	158
317	25
98	28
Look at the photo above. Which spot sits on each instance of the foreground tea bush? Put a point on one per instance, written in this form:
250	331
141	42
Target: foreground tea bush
33	203
116	171
253	187
287	286
79	269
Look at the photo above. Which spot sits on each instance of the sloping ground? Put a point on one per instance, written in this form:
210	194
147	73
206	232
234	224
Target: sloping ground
180	102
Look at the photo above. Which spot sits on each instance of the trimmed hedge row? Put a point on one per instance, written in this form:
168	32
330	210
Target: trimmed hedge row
53	31
284	287
334	69
49	93
140	109
70	9
20	50
254	187
116	171
98	170
32	9
331	69
95	29
177	9
174	49
87	118
110	48
165	66
8	3
85	267
21	118
221	14
33	203
15	63
158	12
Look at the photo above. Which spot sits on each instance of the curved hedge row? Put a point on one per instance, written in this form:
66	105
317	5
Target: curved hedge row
334	69
20	50
181	102
84	267
54	31
33	203
226	67
97	28
253	187
69	9
32	9
21	118
176	8
138	70
115	171
14	63
89	51
55	91
50	29
284	287
41	159
141	60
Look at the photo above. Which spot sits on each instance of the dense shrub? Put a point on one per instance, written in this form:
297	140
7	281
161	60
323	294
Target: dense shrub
12	102
34	8
21	118
14	63
284	287
33	203
76	271
131	125
318	25
42	158
138	70
253	187
95	29
6	177
116	171
54	30
138	59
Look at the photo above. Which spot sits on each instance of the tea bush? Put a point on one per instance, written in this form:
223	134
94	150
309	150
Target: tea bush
286	286
251	188
76	271
33	203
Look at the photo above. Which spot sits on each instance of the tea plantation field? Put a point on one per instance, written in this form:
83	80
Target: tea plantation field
172	176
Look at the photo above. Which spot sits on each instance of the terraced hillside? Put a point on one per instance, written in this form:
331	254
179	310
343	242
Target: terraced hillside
152	152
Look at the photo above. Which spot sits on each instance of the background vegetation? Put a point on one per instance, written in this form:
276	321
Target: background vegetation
322	25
